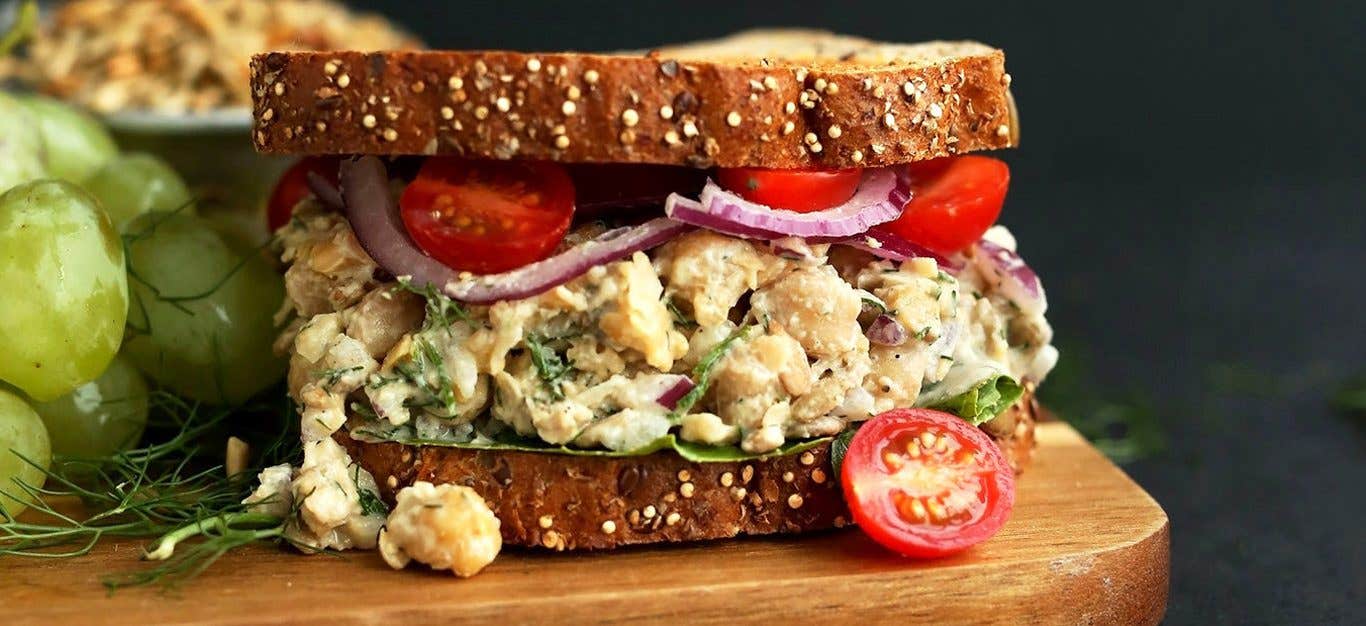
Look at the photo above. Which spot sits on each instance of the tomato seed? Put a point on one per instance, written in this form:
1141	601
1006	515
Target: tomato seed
937	510
918	509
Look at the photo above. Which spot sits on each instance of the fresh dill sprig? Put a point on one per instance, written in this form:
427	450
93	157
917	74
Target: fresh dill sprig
220	535
170	491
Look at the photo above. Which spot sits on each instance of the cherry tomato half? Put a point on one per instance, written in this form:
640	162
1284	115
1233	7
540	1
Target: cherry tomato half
953	201
802	191
925	483
293	187
487	216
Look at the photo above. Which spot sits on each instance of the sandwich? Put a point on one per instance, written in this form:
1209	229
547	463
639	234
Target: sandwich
580	301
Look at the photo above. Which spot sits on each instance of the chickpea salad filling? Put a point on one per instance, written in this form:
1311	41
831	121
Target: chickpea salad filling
779	336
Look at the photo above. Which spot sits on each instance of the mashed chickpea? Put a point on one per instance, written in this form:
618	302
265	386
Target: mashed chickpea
445	526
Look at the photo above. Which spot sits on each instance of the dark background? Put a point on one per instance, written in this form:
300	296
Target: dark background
1190	188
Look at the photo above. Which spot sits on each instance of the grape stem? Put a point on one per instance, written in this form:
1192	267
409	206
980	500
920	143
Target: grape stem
266	526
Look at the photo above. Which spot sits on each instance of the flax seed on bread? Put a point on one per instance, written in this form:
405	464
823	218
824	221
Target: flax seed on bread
564	502
767	98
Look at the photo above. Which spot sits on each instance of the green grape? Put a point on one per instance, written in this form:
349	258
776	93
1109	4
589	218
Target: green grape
77	145
241	225
101	417
21	433
136	183
202	311
63	288
21	145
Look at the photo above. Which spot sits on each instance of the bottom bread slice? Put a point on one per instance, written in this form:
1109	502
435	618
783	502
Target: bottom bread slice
566	502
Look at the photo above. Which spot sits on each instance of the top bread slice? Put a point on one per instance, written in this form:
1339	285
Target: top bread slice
766	98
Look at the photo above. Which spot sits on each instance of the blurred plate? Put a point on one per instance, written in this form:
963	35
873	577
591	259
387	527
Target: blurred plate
228	121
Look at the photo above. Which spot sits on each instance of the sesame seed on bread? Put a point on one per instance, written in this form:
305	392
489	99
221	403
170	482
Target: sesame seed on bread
564	502
767	98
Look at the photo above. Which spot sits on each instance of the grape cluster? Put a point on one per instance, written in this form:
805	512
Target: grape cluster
111	285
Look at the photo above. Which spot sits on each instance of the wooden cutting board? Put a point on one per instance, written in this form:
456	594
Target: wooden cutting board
1085	545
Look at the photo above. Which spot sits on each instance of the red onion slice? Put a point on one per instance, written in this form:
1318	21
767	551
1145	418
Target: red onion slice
1013	278
374	217
880	197
691	211
887	245
878	242
544	275
669	399
324	191
885	330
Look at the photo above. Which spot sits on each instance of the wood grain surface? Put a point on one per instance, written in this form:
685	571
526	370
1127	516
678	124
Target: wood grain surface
1085	545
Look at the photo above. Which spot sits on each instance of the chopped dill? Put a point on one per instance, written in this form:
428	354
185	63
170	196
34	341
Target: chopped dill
425	359
430	359
364	411
370	502
679	318
702	372
442	311
872	302
334	375
550	366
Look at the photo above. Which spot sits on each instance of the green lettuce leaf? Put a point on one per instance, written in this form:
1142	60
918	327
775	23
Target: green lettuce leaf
989	398
695	452
975	392
840	446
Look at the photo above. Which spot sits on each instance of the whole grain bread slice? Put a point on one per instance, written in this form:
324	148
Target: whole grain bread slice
769	98
564	502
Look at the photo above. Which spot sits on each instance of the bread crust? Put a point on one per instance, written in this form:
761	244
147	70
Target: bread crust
563	502
820	100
